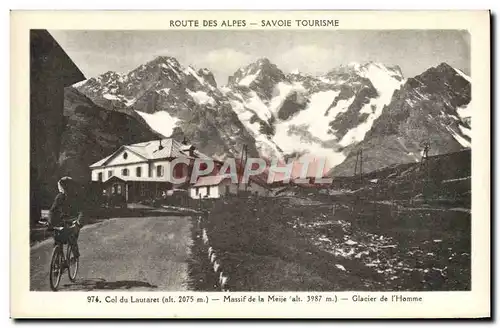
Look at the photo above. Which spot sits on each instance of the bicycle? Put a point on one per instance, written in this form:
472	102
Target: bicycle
59	261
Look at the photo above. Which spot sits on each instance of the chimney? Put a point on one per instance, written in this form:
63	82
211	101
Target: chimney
191	151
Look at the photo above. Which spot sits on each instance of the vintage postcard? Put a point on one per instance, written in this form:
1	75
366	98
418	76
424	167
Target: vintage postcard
250	164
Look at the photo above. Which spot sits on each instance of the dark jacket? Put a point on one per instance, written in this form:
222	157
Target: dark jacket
64	207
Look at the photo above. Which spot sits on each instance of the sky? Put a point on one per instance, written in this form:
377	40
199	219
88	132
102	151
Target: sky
223	52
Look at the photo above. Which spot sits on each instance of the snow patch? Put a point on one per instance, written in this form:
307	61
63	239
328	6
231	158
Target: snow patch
201	97
225	90
130	102
358	133
383	80
79	84
110	97
283	90
462	74
341	267
461	140
312	119
457	179
162	122
325	79
257	105
464	111
247	80
267	147
465	131
190	70
171	65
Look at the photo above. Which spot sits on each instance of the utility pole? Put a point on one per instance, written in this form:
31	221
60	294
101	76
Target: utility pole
361	165
241	168
425	154
244	164
356	164
359	159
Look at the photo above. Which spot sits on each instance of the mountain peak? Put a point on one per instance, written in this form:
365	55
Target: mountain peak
261	72
263	61
208	76
444	66
168	60
370	68
444	70
109	75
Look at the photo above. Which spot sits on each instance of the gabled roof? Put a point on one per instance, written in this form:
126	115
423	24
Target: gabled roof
48	58
151	150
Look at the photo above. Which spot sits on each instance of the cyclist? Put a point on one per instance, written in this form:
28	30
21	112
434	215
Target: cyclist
67	206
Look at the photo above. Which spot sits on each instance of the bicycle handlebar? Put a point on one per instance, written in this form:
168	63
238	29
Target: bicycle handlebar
72	222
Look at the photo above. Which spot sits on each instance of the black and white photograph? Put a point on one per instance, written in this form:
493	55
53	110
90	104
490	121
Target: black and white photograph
290	164
365	144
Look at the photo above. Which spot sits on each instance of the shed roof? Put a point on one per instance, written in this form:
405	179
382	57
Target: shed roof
211	180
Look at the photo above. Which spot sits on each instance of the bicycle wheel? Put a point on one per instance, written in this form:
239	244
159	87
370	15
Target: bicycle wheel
73	262
56	267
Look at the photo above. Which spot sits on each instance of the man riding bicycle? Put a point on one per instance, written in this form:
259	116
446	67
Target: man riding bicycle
66	207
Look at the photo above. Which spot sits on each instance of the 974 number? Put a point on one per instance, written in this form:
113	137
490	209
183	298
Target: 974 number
93	299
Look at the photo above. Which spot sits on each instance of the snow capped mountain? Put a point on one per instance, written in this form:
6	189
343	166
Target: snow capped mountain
431	107
160	76
302	114
369	106
175	101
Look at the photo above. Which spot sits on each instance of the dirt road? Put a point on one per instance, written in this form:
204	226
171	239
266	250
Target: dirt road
142	253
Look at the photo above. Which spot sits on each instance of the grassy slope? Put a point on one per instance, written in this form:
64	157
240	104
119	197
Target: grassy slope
401	232
275	245
262	252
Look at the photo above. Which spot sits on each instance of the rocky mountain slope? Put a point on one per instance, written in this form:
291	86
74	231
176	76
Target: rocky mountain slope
175	101
303	115
91	132
431	107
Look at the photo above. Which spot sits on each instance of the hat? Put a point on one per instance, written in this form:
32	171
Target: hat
64	182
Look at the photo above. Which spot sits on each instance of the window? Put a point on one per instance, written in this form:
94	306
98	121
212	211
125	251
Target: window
125	155
138	171
143	189
208	191
119	189
99	176
159	171
125	172
227	189
197	191
110	173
